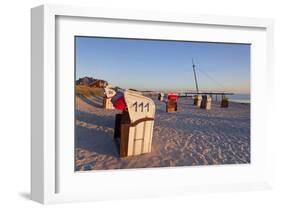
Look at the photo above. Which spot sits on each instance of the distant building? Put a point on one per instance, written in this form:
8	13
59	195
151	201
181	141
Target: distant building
92	82
99	84
85	81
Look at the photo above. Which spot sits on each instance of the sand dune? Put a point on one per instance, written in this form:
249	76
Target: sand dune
191	136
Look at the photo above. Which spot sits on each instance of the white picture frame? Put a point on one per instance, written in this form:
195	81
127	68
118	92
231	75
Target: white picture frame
51	177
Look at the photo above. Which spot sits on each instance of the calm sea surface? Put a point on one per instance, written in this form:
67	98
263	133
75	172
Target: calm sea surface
241	98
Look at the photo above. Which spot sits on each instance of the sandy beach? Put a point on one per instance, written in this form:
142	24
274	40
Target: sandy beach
189	137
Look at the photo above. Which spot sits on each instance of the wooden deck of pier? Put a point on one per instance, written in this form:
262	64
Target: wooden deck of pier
216	94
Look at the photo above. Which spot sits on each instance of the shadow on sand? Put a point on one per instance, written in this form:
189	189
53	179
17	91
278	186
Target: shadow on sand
95	133
95	141
94	101
105	120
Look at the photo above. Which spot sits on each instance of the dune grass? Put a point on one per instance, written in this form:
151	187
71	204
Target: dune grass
81	90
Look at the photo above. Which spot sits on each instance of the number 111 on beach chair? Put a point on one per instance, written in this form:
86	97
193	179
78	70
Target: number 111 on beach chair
134	127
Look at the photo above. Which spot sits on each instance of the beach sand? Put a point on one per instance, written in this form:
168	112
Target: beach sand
189	137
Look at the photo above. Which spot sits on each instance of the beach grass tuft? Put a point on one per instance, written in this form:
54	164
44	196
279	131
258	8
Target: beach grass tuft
86	91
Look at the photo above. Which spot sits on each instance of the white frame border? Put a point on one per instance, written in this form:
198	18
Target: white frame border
43	92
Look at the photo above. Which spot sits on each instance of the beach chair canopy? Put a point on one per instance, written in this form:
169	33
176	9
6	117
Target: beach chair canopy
118	101
139	106
109	92
172	96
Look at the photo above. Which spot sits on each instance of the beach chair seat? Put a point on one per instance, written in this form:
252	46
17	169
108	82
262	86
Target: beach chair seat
172	103
197	100
108	94
134	127
224	102
171	106
161	96
206	102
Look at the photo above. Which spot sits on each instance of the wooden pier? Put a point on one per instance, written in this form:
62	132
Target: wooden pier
211	94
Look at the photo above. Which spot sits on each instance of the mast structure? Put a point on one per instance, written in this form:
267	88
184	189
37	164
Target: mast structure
195	77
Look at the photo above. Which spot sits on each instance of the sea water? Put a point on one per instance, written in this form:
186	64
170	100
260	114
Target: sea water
240	98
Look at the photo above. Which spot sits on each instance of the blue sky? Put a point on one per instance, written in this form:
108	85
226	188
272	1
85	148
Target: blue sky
164	65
